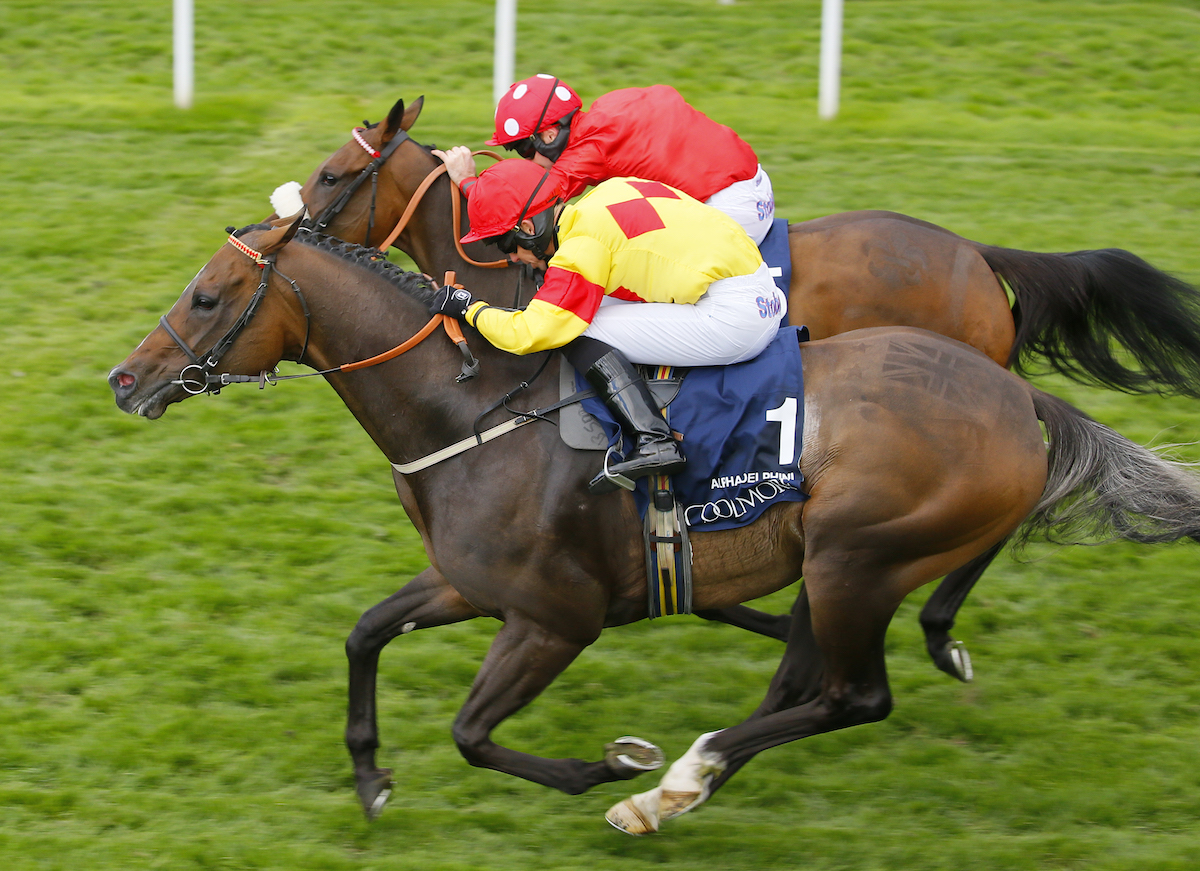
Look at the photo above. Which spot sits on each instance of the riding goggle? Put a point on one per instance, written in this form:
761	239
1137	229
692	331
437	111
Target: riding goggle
506	242
523	147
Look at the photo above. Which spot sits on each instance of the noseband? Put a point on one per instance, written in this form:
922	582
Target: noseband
204	381
378	158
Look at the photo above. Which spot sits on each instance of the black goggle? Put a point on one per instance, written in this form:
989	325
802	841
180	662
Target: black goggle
506	242
523	147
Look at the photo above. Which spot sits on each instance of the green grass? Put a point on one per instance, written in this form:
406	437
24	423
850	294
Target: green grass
176	594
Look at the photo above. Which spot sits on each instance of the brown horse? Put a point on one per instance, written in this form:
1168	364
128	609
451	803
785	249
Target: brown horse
850	271
919	455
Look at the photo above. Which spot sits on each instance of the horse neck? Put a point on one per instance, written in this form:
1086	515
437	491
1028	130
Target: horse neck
429	237
411	405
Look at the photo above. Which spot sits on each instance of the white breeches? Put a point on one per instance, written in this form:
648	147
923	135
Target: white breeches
734	320
751	203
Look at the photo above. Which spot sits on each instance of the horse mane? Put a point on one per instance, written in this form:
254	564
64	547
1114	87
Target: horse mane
414	284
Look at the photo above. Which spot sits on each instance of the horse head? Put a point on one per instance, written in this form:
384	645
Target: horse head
332	191
238	315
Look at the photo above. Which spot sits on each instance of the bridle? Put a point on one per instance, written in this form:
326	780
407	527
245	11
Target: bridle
206	381
378	159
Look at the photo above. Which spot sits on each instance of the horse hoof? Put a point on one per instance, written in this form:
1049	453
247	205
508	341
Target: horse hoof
961	661
636	815
629	756
374	793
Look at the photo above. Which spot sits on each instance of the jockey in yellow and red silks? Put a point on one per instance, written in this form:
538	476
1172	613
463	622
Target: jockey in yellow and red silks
635	271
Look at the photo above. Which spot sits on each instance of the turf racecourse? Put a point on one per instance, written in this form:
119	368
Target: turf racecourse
176	594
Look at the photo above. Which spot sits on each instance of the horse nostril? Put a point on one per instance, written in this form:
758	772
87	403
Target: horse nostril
121	380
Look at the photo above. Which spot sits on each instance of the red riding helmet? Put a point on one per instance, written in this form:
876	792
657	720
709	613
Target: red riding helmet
531	106
506	193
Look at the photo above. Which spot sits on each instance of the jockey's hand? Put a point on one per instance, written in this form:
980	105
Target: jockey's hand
451	301
460	165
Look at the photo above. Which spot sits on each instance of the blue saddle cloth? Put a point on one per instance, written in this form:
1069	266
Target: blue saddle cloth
742	428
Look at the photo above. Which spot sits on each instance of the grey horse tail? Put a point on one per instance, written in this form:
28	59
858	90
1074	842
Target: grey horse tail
1102	487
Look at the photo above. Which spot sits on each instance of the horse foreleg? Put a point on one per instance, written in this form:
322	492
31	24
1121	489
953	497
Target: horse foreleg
425	601
523	660
937	617
832	676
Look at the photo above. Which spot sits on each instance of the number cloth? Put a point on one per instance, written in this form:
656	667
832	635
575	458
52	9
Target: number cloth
700	292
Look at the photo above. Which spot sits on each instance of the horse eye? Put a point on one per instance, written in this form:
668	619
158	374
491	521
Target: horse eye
328	179
201	301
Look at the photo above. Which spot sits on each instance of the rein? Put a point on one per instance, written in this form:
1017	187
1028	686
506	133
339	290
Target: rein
205	381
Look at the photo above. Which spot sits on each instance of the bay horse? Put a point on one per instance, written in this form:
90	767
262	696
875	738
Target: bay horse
1083	314
919	455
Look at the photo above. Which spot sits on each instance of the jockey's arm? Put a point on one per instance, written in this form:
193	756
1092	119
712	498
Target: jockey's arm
559	312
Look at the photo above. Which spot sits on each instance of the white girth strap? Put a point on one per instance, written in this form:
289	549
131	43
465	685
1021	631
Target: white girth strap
459	447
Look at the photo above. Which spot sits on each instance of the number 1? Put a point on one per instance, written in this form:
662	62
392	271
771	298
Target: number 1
785	415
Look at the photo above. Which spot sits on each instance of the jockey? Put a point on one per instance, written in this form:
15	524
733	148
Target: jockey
648	133
635	272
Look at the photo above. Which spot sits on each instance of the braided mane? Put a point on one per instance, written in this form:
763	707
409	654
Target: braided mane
412	283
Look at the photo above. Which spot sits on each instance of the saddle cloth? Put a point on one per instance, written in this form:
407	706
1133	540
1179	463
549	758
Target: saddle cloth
742	427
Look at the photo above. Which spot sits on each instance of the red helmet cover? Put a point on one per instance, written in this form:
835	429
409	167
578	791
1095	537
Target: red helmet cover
502	191
541	97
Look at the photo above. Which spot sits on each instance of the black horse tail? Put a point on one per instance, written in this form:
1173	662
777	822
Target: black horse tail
1101	486
1074	310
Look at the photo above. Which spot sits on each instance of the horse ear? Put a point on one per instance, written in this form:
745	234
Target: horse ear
402	119
280	234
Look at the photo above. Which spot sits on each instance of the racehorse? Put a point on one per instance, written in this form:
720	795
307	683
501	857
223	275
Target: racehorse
919	455
850	271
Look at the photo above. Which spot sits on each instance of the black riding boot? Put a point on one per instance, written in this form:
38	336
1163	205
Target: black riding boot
655	450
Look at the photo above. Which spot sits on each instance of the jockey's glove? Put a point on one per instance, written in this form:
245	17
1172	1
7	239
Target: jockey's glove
451	301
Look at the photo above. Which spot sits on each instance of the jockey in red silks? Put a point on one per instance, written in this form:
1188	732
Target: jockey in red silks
647	133
635	272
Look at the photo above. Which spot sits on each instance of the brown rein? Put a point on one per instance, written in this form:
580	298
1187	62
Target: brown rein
470	366
456	207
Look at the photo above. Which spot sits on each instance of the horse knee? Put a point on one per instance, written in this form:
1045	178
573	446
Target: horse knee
358	644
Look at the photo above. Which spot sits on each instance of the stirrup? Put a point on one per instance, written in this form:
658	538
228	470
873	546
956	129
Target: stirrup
608	481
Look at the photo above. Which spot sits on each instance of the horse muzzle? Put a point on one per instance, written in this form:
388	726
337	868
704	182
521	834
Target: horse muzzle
135	396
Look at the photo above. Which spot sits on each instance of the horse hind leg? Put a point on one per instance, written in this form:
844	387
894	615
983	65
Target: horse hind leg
832	676
937	617
425	601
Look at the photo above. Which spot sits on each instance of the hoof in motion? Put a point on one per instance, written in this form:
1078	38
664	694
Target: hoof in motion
961	661
636	815
374	793
629	756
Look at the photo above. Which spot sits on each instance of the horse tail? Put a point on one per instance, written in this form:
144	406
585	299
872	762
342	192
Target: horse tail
1073	310
1100	485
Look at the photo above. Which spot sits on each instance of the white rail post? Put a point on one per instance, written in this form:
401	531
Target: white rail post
506	48
183	31
831	58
